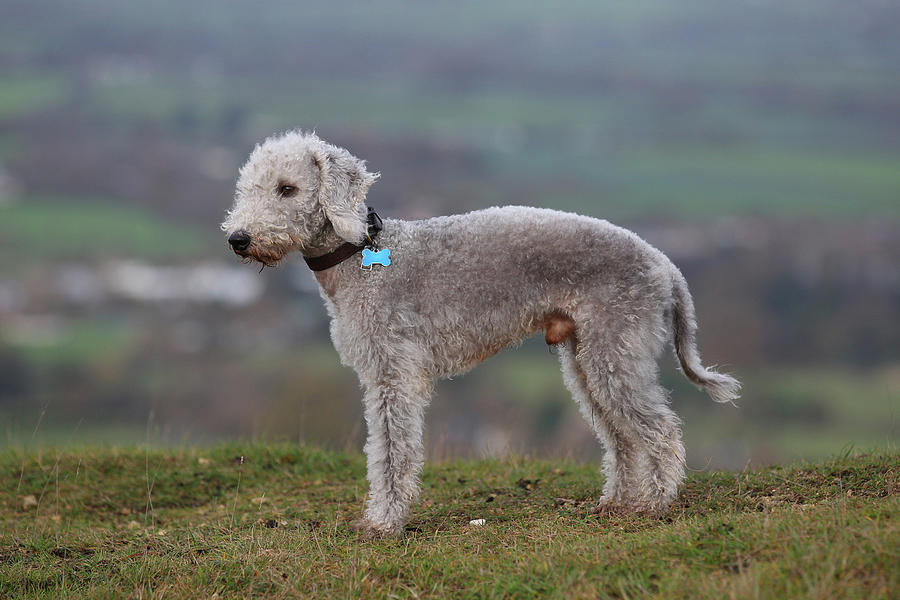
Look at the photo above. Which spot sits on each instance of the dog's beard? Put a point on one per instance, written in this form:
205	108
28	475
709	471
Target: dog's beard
266	256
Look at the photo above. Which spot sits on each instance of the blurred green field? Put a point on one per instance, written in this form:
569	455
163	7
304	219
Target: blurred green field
558	146
44	229
630	110
784	414
31	92
703	182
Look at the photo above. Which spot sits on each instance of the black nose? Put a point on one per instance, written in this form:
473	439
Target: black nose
239	240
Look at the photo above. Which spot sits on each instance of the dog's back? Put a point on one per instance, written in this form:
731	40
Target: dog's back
507	272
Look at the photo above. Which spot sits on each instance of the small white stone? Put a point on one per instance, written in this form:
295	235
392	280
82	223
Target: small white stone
477	522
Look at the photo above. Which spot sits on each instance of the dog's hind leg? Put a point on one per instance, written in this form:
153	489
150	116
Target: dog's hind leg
620	453
394	410
620	374
644	412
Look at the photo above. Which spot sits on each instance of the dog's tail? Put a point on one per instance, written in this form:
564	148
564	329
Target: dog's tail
719	386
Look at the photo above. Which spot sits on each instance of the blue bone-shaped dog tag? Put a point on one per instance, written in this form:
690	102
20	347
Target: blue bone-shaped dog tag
382	257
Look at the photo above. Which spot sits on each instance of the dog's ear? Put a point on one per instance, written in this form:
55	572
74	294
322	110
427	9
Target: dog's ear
343	184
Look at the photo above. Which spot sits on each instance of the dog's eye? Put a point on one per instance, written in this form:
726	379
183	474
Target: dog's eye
286	191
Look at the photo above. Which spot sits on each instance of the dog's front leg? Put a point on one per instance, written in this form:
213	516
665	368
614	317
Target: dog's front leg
394	410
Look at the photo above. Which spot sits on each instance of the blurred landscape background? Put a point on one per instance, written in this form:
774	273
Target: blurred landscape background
757	144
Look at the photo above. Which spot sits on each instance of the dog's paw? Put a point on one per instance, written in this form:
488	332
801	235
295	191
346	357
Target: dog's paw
370	531
610	507
607	507
652	511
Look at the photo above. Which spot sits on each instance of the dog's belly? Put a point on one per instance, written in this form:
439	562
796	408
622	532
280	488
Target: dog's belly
462	349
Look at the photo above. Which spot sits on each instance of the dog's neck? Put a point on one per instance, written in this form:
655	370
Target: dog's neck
329	279
325	242
340	251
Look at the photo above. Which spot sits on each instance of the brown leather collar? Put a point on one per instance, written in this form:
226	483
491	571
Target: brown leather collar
373	226
335	257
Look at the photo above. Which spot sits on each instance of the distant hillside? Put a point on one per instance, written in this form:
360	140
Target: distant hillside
625	110
272	521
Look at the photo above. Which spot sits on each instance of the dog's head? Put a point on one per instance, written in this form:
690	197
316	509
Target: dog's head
294	193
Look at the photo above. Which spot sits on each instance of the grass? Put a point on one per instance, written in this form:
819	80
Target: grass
114	522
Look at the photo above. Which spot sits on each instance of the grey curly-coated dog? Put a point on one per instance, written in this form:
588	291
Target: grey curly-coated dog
456	290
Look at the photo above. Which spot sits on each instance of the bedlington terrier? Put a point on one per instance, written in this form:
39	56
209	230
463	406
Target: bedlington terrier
438	296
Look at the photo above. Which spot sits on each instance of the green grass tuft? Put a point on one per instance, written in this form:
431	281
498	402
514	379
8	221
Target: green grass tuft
190	522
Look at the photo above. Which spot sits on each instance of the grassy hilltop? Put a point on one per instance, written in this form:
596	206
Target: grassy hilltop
116	522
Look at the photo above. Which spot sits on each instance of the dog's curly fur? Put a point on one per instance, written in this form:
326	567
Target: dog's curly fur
460	289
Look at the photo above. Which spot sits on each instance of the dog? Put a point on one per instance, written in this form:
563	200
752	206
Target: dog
446	293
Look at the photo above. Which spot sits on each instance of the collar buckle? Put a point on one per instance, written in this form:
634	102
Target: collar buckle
374	225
